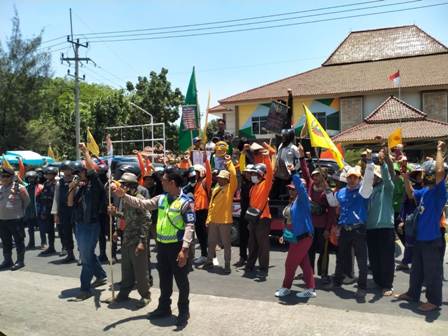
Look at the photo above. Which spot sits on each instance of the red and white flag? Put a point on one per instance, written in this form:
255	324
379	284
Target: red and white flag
395	77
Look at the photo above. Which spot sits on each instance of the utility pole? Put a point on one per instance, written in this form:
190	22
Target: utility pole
76	44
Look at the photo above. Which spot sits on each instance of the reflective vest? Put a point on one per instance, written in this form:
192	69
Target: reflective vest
170	223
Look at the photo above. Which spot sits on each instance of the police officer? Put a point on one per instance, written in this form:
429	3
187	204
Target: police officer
174	233
134	252
45	199
63	215
31	219
14	200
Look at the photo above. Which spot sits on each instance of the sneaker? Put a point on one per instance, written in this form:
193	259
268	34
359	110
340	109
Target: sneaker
282	292
240	263
427	307
215	261
208	265
99	282
361	293
307	293
182	320
143	302
199	260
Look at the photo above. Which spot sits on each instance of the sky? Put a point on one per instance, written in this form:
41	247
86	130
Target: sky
225	64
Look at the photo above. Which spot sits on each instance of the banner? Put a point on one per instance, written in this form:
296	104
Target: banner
278	113
189	117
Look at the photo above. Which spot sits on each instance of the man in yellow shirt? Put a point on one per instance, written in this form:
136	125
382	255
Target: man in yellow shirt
219	219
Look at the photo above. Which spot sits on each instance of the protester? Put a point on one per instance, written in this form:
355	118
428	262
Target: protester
323	216
86	195
298	215
63	214
14	200
202	189
260	223
31	215
353	203
174	235
45	199
380	225
427	261
219	219
246	185
134	250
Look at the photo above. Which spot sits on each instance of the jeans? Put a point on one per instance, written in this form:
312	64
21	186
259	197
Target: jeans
87	237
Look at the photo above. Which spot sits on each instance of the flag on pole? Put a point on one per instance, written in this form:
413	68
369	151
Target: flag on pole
191	98
91	144
395	138
110	152
50	152
204	131
395	77
320	138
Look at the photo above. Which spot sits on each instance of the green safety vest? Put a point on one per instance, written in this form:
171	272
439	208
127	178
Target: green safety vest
169	221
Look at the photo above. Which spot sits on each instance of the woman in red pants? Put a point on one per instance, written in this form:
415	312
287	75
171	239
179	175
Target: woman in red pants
299	234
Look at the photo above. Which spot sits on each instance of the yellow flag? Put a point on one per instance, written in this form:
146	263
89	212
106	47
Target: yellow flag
204	131
50	152
395	138
320	138
91	144
6	164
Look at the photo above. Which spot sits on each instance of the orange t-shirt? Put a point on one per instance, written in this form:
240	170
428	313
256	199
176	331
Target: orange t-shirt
259	194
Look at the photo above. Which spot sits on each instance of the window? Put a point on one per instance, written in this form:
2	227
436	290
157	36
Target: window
258	124
322	118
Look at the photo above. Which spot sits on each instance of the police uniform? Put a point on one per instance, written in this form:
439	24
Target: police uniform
14	200
174	231
46	220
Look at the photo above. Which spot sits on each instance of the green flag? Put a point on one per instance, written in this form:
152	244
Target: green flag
185	135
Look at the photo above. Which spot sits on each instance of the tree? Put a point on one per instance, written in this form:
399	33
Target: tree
23	72
157	97
212	128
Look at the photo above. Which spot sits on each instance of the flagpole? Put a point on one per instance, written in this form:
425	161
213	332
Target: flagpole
399	85
110	154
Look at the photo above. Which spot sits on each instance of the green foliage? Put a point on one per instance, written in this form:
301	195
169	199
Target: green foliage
352	156
212	128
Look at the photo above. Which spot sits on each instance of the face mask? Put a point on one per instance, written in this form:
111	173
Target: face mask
254	179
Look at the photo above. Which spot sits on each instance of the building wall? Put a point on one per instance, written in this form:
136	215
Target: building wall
435	104
230	119
351	111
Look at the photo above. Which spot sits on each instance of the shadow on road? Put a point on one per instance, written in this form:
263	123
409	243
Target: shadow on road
412	306
126	320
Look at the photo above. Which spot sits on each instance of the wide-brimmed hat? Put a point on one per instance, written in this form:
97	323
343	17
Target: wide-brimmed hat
224	174
255	146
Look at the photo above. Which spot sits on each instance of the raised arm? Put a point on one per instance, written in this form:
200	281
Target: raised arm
440	169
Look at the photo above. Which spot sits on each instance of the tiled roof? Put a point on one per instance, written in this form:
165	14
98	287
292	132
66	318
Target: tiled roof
355	78
385	43
386	118
394	109
217	109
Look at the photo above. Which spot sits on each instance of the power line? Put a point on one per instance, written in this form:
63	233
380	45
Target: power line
273	26
54	39
236	20
258	22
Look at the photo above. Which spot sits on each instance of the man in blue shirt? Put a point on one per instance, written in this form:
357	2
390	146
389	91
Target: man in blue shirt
353	202
427	261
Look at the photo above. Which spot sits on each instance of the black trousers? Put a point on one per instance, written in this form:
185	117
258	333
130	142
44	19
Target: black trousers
318	246
201	230
66	227
397	221
356	239
10	229
381	247
31	223
169	270
47	226
427	268
244	234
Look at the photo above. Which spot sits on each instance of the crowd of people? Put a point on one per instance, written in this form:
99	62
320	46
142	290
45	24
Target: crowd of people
358	212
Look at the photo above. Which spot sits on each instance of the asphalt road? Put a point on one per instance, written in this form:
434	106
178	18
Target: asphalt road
236	285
